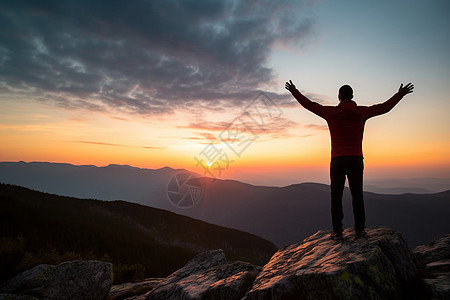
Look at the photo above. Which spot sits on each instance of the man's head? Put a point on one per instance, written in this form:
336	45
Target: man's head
345	93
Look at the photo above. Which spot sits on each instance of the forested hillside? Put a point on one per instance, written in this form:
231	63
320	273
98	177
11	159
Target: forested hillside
140	241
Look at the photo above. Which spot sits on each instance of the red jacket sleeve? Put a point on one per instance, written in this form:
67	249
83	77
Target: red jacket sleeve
382	108
314	107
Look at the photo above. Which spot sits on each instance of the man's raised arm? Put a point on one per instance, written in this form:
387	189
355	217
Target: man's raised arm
305	102
382	108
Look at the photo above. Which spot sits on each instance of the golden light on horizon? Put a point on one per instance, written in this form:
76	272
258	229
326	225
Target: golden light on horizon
44	133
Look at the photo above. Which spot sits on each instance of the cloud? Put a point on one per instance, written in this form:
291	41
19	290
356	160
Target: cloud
316	127
204	125
119	118
117	145
147	57
226	132
206	138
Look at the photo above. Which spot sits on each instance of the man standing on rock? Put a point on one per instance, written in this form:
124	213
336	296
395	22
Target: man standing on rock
346	124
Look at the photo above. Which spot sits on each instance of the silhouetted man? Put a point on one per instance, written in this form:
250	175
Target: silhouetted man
346	124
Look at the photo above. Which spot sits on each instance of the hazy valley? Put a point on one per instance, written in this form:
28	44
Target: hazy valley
282	215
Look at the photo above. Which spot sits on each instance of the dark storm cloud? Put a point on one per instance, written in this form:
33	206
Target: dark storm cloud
148	57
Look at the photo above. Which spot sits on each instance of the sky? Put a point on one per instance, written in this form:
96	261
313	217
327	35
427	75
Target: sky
199	85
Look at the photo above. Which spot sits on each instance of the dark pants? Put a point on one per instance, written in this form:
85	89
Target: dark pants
353	167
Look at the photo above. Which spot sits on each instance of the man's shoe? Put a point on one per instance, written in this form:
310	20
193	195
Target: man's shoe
336	235
360	234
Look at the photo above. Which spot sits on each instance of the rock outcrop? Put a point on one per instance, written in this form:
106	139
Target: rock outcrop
379	267
435	258
131	290
207	276
81	279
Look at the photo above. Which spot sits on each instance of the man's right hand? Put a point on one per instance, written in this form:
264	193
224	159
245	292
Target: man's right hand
290	86
404	90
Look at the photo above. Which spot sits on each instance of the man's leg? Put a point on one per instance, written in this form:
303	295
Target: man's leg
337	177
355	182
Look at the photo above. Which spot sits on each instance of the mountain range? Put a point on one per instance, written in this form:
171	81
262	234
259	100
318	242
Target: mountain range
141	241
282	215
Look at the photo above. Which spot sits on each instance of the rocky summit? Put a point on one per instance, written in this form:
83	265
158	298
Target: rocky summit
380	266
72	280
434	258
207	276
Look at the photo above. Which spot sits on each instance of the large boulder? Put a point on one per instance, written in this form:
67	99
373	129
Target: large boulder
435	258
436	250
80	279
207	276
379	267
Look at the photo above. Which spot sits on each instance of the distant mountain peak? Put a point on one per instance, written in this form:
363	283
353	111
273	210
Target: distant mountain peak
165	168
119	166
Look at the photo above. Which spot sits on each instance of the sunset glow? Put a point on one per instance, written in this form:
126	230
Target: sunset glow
114	106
